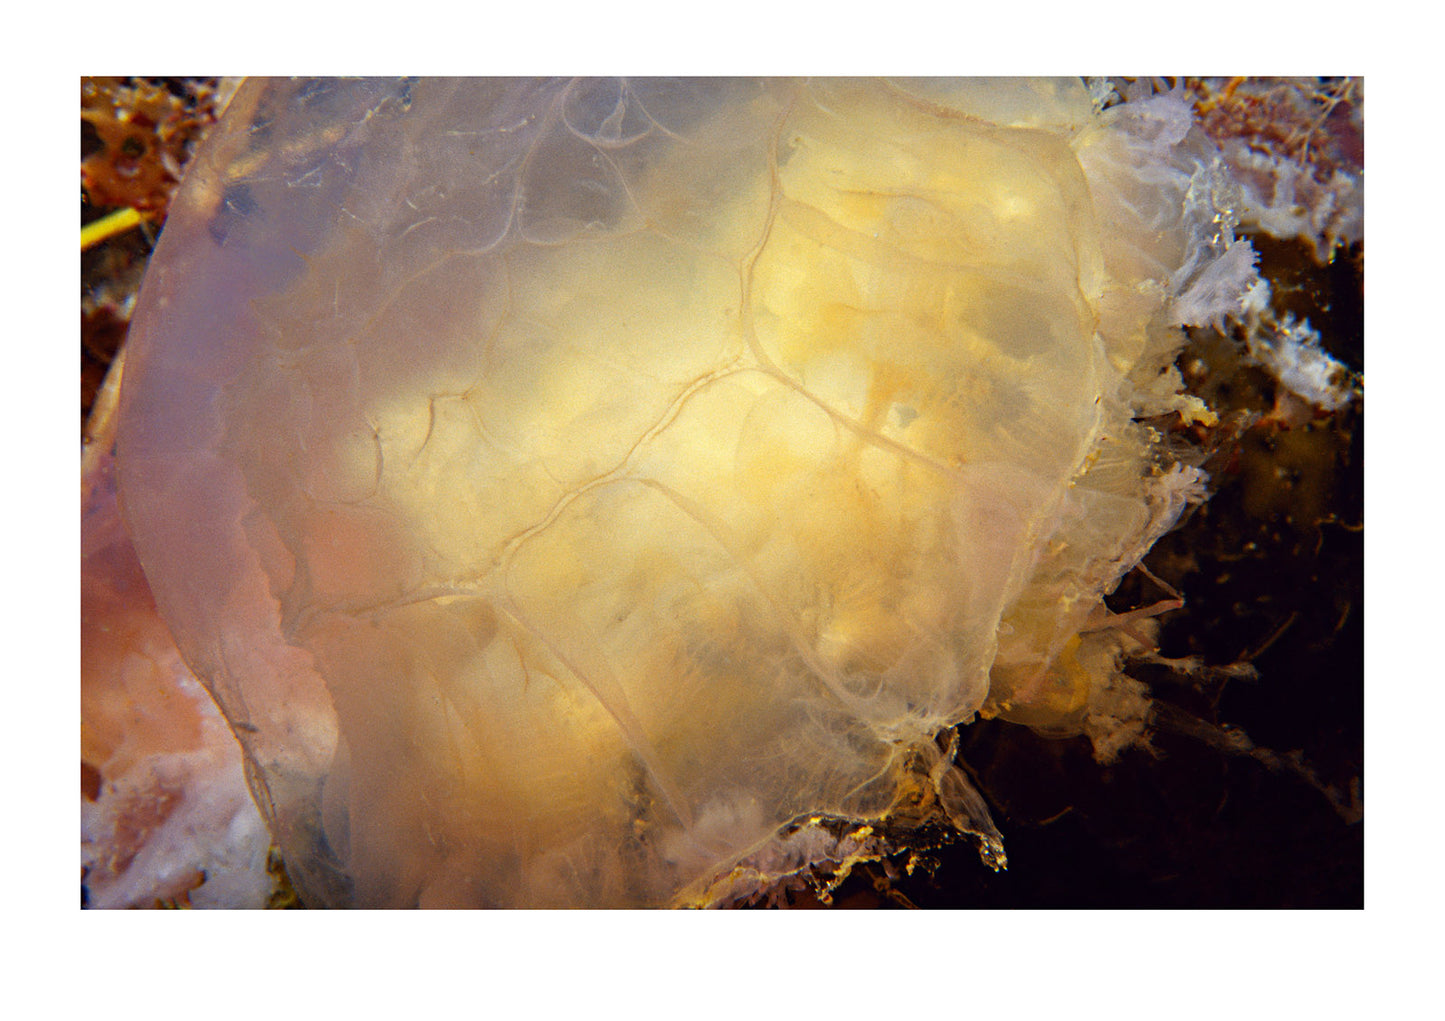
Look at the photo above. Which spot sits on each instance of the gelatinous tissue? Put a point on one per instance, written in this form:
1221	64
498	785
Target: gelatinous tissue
164	813
564	488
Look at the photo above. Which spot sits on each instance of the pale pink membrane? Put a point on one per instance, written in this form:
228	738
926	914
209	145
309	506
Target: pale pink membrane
165	814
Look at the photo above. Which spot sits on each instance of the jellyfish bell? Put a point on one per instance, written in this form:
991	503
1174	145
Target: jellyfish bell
571	491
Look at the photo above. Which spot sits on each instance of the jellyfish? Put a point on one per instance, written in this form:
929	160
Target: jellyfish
577	493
